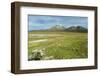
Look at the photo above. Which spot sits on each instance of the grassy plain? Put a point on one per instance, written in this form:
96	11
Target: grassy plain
59	45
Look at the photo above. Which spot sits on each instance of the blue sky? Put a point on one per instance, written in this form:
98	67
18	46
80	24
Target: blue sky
41	22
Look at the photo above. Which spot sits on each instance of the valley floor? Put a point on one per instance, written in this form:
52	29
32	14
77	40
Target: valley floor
57	45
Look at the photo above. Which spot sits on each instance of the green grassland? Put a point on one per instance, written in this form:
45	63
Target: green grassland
59	45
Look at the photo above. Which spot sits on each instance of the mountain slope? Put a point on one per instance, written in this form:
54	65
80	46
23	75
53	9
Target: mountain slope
58	27
77	29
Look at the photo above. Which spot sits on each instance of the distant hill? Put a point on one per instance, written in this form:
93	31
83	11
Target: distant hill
70	29
76	29
67	29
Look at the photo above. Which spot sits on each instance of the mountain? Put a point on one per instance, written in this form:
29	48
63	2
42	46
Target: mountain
68	29
76	29
58	28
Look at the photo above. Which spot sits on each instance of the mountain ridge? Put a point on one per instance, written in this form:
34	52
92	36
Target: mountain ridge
75	28
71	28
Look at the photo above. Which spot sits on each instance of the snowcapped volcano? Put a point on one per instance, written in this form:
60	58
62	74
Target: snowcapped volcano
57	27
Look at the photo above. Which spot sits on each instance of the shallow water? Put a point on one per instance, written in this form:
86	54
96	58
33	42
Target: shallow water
42	40
42	35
